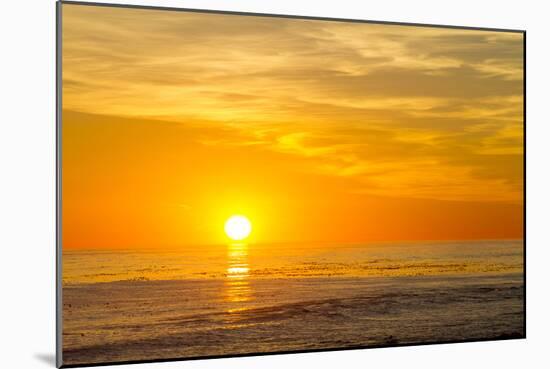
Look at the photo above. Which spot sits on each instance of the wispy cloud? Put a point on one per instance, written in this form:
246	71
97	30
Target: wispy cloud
416	112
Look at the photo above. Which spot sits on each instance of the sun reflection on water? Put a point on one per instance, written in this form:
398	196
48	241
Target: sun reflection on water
237	274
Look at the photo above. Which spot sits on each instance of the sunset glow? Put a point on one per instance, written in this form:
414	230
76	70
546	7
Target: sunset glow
318	131
248	184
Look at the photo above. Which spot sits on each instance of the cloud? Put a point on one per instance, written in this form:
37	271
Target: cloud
413	111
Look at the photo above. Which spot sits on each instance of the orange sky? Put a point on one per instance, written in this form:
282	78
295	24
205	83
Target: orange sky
317	131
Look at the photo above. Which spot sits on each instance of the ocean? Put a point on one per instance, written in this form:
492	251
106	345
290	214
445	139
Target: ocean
241	299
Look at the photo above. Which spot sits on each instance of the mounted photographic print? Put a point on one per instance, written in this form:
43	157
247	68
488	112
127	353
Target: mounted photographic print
238	184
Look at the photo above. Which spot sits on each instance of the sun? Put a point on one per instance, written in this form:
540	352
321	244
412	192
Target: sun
237	227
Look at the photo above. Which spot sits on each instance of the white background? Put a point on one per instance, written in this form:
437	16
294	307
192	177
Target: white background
27	187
